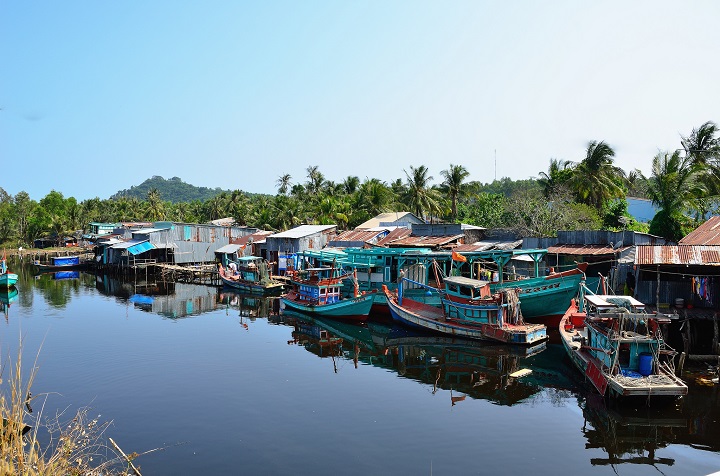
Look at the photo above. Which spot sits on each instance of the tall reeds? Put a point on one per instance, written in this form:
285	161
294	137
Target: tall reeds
71	446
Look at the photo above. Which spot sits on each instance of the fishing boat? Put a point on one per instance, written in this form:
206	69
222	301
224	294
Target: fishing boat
7	279
619	346
469	310
317	291
60	263
250	274
544	299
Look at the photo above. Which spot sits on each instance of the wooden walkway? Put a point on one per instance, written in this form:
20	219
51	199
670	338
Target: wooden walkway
195	274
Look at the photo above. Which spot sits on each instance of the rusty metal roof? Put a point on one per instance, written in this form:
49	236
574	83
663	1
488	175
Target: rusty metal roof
585	250
396	234
426	241
257	237
356	235
678	254
489	245
706	234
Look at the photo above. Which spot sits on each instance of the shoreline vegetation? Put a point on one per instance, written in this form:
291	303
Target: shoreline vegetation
588	194
35	444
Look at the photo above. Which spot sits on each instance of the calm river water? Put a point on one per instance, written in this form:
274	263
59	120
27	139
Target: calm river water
227	386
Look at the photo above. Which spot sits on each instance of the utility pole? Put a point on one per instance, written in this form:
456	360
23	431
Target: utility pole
495	164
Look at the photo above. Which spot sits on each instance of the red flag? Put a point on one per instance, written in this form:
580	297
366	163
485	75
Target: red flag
458	257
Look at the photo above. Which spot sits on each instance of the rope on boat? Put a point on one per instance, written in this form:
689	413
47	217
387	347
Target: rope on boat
511	298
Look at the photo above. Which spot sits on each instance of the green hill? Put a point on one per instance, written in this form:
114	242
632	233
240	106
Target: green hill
172	190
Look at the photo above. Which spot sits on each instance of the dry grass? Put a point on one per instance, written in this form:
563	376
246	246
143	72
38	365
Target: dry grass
76	446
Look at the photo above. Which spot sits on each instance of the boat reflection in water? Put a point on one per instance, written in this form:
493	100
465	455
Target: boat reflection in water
630	435
496	372
7	296
170	300
252	306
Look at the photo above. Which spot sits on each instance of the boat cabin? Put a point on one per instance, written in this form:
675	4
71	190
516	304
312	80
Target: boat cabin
467	288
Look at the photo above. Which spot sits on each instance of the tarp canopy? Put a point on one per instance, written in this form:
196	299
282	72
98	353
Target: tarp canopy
141	248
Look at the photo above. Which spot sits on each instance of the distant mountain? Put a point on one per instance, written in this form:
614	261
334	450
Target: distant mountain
171	190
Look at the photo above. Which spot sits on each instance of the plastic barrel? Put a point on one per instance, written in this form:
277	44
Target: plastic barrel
646	364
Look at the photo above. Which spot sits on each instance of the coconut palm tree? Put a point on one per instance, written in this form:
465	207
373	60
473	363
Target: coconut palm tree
595	180
316	179
672	187
422	198
454	178
702	146
558	174
283	183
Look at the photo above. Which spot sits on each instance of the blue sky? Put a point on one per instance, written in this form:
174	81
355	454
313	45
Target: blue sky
98	96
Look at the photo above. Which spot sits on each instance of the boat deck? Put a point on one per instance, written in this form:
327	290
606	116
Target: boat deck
427	310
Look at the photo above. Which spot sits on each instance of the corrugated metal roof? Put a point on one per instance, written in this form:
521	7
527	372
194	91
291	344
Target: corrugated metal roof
302	231
392	217
144	231
229	249
127	244
258	237
141	248
678	254
706	234
396	234
428	241
586	250
356	235
489	245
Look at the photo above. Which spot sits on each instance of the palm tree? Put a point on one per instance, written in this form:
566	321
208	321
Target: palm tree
703	147
595	180
421	197
672	187
316	179
283	183
155	206
454	178
351	184
558	174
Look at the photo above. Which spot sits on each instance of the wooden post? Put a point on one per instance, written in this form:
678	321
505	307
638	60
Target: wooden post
681	364
715	348
657	291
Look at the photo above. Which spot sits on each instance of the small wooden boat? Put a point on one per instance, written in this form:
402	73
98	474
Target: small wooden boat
250	274
317	291
60	263
619	347
468	310
7	278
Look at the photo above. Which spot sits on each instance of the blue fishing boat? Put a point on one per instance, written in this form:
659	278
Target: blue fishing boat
469	310
544	299
317	291
250	274
7	279
60	263
619	346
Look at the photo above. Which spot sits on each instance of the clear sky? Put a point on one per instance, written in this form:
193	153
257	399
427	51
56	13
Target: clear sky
98	96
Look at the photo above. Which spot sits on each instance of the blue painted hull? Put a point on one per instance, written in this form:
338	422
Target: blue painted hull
429	318
351	308
8	279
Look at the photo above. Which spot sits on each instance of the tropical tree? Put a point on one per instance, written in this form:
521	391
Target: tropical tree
283	184
702	146
672	187
453	185
351	184
155	206
315	180
596	179
558	174
421	198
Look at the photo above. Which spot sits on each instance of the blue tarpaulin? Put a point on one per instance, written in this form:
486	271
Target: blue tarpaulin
141	248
